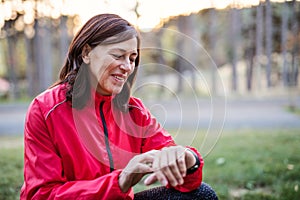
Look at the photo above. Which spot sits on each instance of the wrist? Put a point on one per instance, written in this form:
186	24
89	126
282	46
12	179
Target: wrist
191	168
190	159
122	182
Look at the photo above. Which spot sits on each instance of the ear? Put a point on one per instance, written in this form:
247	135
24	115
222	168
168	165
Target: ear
85	53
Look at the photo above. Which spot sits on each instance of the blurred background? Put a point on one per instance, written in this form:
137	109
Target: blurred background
246	50
254	45
217	67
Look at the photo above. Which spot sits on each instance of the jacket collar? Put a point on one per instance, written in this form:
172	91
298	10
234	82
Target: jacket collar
98	98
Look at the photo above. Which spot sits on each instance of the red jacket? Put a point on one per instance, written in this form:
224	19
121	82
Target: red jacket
79	154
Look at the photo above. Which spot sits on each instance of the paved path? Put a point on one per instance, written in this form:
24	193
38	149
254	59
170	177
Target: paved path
188	114
229	114
12	117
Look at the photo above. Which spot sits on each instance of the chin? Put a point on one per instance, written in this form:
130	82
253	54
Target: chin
116	91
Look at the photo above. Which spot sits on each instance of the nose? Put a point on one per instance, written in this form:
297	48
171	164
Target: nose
126	65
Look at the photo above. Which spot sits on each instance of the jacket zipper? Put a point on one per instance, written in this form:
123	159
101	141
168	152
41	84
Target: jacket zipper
111	162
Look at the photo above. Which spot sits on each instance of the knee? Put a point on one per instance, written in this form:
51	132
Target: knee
206	192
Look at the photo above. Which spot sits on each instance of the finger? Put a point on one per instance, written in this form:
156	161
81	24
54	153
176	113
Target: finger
168	165
181	162
146	159
143	168
157	170
150	179
176	176
149	156
140	164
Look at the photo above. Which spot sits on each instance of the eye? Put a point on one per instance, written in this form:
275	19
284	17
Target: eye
116	56
132	59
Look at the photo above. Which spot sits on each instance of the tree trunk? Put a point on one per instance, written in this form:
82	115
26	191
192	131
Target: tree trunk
284	27
64	38
234	39
30	67
293	72
295	50
161	61
269	44
192	31
179	61
212	42
259	43
250	59
38	60
11	61
43	55
249	50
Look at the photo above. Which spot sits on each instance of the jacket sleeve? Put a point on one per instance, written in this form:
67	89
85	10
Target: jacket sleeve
192	181
43	171
159	138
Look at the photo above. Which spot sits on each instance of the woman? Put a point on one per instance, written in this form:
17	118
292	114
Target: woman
87	138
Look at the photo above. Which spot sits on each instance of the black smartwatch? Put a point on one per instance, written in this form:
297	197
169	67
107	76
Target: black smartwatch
195	166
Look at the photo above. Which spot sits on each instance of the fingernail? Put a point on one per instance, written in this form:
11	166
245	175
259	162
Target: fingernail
146	181
164	183
181	182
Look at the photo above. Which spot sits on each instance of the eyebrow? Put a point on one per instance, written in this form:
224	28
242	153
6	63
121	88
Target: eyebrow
123	50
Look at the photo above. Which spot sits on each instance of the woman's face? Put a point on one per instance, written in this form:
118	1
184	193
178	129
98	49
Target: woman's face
111	65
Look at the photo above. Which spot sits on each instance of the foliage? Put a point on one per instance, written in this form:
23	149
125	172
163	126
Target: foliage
203	41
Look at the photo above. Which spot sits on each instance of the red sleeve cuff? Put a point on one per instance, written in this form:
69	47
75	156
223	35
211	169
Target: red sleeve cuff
123	195
192	181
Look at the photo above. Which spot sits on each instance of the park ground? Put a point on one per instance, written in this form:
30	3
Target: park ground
255	154
244	164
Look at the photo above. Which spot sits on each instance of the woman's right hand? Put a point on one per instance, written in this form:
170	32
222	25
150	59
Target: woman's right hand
137	167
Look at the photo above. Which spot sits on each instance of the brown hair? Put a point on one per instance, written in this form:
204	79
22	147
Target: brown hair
100	29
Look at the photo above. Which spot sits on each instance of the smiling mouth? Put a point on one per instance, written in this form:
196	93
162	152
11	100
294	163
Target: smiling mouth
119	78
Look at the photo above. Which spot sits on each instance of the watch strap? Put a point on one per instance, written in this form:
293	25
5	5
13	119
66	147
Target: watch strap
196	165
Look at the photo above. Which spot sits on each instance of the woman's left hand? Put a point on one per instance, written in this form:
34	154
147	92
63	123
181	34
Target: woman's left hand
170	165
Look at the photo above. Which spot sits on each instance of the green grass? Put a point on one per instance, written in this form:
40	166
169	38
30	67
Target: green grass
293	109
244	165
258	165
11	167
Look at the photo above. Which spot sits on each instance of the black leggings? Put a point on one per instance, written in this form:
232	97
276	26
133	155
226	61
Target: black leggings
204	192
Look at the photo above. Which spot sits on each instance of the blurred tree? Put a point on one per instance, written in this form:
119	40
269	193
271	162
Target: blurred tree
179	63
192	48
212	41
43	53
258	42
63	38
269	43
32	25
30	67
284	29
11	61
275	33
234	38
249	49
160	59
249	41
295	49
